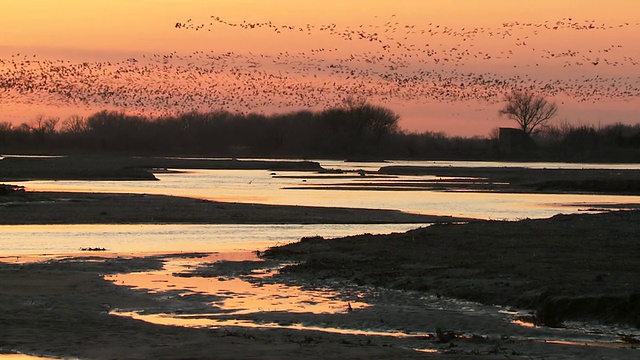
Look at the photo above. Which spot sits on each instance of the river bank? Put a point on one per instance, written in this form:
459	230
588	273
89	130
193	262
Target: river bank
31	207
26	168
566	268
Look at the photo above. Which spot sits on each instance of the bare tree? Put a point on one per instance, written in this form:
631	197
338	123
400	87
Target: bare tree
352	102
528	110
43	128
5	129
74	124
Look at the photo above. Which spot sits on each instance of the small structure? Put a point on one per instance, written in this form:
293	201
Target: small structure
515	141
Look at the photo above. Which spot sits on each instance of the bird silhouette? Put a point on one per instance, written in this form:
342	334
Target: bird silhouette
386	61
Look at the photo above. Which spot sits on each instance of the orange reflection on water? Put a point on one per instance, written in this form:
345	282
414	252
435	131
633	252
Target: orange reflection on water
524	323
237	295
428	351
23	357
207	320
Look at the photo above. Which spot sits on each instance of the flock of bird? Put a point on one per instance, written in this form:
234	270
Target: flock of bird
385	61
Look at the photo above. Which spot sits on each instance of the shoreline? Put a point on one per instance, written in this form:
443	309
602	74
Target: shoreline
31	208
63	307
476	178
578	267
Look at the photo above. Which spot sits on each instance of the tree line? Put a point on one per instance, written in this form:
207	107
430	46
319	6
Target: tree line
356	130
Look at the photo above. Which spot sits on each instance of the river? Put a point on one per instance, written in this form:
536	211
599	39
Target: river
288	188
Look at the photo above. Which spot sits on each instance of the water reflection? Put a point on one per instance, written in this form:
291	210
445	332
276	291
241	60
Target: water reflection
19	356
19	240
217	293
233	300
231	289
204	321
231	297
301	188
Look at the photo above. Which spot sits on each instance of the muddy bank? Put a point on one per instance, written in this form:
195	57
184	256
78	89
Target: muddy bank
61	308
520	179
569	267
65	308
70	168
26	207
128	168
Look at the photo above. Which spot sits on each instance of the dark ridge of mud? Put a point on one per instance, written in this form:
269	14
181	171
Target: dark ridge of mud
520	179
71	168
228	268
614	186
105	208
569	267
128	168
6	189
605	308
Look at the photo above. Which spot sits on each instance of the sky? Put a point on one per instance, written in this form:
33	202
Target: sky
443	66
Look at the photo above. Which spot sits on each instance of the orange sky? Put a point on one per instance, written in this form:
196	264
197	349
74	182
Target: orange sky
429	60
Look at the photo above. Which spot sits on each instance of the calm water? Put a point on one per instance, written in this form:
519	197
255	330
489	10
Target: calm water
259	186
64	239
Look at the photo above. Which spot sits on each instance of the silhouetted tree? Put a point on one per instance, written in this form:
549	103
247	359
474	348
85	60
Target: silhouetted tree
380	121
74	124
528	110
5	131
5	127
113	130
352	102
43	128
353	130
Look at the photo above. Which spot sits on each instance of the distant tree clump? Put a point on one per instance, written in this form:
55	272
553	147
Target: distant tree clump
355	130
530	111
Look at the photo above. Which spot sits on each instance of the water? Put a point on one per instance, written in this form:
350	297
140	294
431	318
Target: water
291	188
304	188
244	295
288	188
237	295
65	239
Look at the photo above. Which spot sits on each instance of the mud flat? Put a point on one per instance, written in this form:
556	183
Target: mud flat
65	307
128	168
566	268
19	207
578	267
61	308
528	180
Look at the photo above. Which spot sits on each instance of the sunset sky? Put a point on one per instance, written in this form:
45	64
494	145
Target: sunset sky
441	65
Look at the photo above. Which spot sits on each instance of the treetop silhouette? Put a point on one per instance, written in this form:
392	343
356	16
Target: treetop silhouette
530	111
